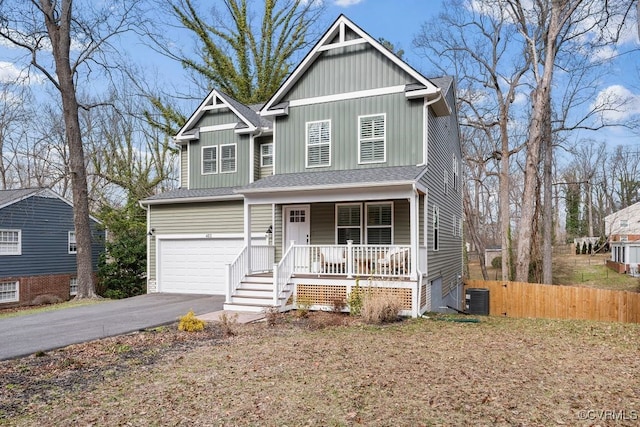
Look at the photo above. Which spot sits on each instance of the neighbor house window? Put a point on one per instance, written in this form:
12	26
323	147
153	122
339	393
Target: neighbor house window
379	223
73	246
624	223
319	143
227	158
73	286
372	139
436	228
209	160
9	291
348	224
10	242
266	155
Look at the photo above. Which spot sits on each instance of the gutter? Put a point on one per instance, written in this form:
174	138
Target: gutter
189	200
325	187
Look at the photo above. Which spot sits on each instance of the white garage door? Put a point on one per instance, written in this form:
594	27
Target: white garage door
195	266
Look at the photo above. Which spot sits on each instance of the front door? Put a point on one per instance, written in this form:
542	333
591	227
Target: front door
297	229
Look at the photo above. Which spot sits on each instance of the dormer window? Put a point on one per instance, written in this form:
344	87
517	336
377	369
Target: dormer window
319	143
372	143
266	155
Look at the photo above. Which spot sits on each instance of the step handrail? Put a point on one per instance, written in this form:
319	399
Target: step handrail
235	272
282	273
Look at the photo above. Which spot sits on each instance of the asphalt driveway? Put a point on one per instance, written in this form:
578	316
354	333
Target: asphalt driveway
25	335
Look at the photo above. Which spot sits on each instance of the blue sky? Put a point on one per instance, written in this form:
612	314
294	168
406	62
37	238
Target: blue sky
398	21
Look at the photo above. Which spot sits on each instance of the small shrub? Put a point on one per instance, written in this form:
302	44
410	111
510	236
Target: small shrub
271	315
355	299
381	308
228	324
46	299
303	305
190	323
497	262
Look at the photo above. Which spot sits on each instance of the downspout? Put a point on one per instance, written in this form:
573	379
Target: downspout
149	233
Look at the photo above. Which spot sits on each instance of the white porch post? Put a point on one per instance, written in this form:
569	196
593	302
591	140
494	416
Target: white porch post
349	259
414	231
247	234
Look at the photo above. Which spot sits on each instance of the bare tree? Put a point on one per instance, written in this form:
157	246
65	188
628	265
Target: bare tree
47	29
478	46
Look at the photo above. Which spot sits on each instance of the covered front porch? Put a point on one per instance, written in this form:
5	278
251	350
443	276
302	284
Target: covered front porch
332	237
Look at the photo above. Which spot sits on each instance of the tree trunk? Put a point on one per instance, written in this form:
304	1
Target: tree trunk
60	35
473	229
547	215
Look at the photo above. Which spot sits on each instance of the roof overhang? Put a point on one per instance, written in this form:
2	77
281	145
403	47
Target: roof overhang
177	200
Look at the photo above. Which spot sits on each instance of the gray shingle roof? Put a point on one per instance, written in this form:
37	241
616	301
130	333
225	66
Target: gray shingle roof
303	180
247	112
9	196
183	193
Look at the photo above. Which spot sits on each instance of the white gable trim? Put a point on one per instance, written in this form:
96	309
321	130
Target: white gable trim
346	96
338	29
213	101
226	126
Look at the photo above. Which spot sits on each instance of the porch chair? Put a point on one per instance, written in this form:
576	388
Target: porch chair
394	262
333	260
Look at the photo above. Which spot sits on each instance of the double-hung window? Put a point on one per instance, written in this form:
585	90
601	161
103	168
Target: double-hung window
348	224
456	178
10	242
72	245
266	155
210	160
371	139
379	223
73	286
9	291
227	158
319	143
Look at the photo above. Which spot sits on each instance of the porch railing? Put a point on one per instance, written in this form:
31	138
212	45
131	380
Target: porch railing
262	258
352	260
282	273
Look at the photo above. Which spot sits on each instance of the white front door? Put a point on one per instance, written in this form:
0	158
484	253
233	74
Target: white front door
297	229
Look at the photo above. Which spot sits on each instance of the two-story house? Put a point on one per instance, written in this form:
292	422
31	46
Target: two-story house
349	174
623	234
38	246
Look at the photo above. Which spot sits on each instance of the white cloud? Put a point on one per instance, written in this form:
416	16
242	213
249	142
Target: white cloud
617	103
347	3
9	72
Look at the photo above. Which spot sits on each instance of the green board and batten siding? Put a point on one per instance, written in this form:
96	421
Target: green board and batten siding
227	179
224	217
442	147
348	69
217	118
404	132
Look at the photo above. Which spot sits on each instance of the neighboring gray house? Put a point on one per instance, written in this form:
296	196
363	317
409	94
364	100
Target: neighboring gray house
38	247
349	174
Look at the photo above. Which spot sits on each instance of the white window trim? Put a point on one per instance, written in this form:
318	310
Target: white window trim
336	226
262	155
446	181
434	220
214	147
306	144
71	286
624	223
366	220
69	234
10	230
235	158
17	285
384	139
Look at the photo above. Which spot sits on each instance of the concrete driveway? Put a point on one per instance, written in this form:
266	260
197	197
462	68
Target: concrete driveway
25	335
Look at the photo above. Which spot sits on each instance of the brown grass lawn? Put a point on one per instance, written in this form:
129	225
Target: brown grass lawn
302	372
578	270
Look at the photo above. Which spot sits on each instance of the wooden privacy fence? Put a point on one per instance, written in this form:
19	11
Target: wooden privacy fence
516	299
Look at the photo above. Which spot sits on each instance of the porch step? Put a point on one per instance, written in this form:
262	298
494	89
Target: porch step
245	285
265	300
262	278
251	308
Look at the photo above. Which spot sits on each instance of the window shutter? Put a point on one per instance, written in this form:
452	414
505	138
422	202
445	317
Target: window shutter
209	159
319	143
228	158
372	139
